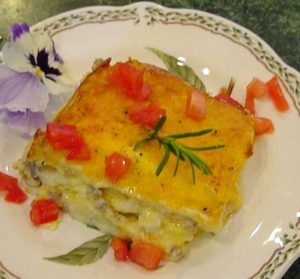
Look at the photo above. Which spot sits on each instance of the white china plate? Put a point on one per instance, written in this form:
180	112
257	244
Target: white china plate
262	239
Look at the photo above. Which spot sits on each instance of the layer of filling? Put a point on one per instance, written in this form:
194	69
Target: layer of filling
110	210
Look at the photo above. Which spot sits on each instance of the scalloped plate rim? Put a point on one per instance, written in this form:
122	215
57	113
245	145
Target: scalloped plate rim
183	10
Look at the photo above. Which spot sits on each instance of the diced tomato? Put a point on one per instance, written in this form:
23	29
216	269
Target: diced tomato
145	92
7	181
67	137
255	89
44	211
263	126
249	104
63	136
130	80
146	255
120	248
276	94
16	195
13	193
146	115
228	100
82	153
195	107
116	166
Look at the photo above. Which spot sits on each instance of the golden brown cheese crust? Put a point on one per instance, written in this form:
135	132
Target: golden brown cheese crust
99	112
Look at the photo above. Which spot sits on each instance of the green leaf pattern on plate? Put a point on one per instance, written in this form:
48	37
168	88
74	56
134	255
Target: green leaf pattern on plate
184	71
97	247
102	16
257	47
3	275
6	274
290	245
86	253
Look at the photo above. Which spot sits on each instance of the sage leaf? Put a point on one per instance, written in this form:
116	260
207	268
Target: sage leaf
184	71
86	253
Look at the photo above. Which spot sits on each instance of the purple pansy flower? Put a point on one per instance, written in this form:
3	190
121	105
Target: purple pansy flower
18	29
32	69
24	121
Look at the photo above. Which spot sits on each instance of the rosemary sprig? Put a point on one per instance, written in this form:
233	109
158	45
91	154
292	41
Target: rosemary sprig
181	152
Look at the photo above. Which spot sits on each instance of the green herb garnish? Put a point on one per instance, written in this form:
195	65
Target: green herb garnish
182	152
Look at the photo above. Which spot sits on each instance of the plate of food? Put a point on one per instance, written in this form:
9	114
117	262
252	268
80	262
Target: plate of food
160	141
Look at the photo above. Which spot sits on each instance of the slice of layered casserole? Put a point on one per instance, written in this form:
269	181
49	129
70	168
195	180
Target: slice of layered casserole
114	108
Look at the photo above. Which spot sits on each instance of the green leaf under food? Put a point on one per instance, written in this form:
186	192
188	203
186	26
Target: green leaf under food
185	72
86	253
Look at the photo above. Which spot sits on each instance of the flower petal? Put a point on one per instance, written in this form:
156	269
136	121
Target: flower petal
18	29
22	56
59	84
43	41
15	54
21	91
56	102
56	55
42	61
24	122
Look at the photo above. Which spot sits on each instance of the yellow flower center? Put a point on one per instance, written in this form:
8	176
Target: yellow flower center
39	72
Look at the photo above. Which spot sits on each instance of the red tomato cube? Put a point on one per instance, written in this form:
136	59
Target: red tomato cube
276	94
10	185
228	100
263	126
82	153
130	80
195	106
120	248
146	255
44	211
116	166
255	89
146	115
63	136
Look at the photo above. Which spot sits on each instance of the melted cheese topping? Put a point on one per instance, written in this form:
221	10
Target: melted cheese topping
99	112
